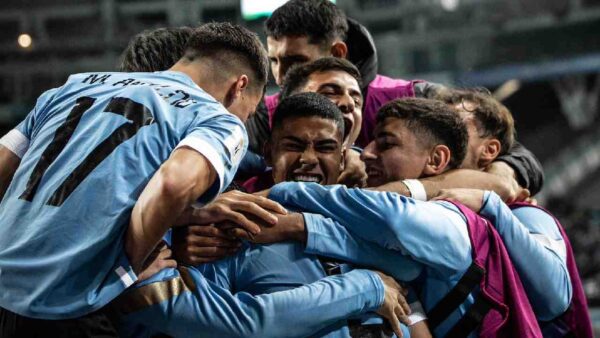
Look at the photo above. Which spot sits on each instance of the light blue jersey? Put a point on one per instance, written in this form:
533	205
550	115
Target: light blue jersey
421	242
539	254
182	303
263	269
93	144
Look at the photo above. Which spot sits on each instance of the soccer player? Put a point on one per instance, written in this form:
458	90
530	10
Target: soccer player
442	240
338	80
540	250
106	163
301	31
307	145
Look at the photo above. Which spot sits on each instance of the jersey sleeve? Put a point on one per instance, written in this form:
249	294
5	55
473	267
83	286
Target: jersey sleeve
326	237
17	140
537	240
392	221
222	140
182	303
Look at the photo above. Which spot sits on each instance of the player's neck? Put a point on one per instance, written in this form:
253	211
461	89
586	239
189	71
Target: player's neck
202	77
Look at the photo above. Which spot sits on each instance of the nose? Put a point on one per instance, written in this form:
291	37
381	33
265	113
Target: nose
309	157
346	104
369	153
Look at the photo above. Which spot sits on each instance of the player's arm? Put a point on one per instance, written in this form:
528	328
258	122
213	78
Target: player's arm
538	240
387	219
9	162
505	187
182	179
202	309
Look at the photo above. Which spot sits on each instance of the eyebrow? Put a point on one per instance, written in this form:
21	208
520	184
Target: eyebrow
328	141
384	134
353	92
293	139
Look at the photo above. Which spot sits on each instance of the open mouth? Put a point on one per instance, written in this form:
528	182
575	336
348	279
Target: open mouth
372	172
347	127
315	178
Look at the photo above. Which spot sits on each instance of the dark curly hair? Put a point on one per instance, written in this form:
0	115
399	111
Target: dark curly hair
298	75
307	105
433	122
492	118
320	20
155	50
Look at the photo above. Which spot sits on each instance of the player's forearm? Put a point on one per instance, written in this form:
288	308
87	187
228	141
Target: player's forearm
211	311
9	162
170	191
326	237
466	178
548	285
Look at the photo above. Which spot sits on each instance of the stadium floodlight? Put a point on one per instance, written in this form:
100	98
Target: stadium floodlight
24	40
449	5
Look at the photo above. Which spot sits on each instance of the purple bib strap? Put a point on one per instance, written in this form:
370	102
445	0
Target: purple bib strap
511	314
381	91
271	102
577	316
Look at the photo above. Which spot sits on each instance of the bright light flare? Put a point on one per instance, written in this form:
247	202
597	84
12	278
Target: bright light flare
24	40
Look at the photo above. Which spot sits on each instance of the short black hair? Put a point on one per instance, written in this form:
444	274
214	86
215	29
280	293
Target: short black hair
298	75
320	20
433	122
242	46
492	118
307	105
155	50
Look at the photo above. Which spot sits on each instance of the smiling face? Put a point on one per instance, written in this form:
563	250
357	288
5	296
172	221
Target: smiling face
395	154
307	149
291	50
343	90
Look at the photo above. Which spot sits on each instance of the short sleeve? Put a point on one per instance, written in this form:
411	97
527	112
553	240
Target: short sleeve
17	140
223	141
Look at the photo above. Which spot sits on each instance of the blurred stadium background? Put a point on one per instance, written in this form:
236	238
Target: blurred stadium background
541	57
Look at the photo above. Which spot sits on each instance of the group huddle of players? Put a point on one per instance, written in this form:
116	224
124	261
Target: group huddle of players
174	198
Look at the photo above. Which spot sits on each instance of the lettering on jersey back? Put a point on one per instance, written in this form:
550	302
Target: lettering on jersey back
93	78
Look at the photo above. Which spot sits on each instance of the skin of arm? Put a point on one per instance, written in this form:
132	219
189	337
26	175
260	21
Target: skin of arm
9	162
505	187
184	177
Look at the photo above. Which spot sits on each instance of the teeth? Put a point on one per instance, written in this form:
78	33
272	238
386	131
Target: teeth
306	178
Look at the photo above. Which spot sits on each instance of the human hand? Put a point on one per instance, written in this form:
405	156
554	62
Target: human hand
198	244
288	227
394	309
159	259
513	191
354	174
235	206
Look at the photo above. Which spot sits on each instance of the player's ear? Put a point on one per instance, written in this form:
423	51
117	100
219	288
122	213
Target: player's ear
490	149
339	49
439	157
236	89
